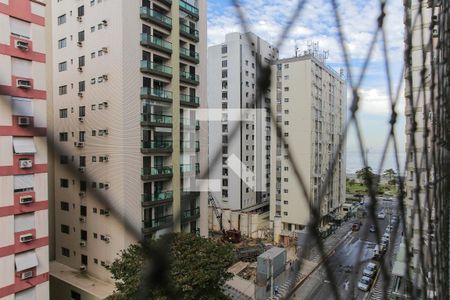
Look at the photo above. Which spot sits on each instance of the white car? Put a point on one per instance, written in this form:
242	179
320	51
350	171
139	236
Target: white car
381	215
364	283
370	270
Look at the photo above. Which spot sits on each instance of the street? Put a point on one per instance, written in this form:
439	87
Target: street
346	263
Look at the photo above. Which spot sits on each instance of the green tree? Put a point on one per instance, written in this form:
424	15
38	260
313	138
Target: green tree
365	175
391	175
196	268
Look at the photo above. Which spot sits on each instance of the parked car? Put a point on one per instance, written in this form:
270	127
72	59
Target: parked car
372	228
355	227
370	270
389	228
383	246
381	215
386	236
364	283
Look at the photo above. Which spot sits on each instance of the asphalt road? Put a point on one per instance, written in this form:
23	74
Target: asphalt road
355	251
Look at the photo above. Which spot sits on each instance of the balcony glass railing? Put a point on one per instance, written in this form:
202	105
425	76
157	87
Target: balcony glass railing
150	40
156	119
157	145
189	99
157	197
189	76
158	222
184	168
191	213
188	8
147	66
156	93
188	53
189	31
148	13
157	171
190	146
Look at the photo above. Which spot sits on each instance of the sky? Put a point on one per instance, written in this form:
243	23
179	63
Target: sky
316	23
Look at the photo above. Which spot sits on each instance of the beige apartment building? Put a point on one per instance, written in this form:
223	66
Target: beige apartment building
310	107
24	237
128	77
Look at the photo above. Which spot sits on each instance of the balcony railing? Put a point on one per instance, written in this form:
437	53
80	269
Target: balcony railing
166	2
157	198
156	120
156	173
185	168
189	78
156	94
189	100
155	68
190	146
190	214
157	223
189	55
189	32
151	41
156	146
189	9
157	17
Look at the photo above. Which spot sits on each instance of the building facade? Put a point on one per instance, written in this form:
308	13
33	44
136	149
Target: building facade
128	77
233	69
24	241
309	100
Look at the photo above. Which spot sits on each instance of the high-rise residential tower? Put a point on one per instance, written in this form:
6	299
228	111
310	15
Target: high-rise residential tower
127	79
309	100
233	69
24	239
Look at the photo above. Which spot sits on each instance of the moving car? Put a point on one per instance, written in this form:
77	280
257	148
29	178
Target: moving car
364	283
370	270
381	215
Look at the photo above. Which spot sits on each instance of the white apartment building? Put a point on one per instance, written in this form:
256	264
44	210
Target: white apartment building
127	78
233	69
309	100
24	237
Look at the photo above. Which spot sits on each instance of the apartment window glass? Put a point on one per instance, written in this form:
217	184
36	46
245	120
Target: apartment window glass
286	89
286	66
65	228
65	252
82	161
224	49
83	235
224	73
81	86
83	210
92	2
82	111
63	113
64	205
63	136
62	19
62	66
81	61
81	36
62	90
64	182
81	11
62	43
224	63
81	135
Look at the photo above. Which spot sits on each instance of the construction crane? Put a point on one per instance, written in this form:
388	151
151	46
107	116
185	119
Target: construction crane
232	235
218	214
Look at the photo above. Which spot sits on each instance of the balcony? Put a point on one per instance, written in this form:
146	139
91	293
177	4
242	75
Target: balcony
156	147
156	120
189	32
157	198
166	2
190	146
189	78
156	173
189	100
189	9
149	14
153	42
189	195
156	94
190	214
187	168
157	223
189	55
156	69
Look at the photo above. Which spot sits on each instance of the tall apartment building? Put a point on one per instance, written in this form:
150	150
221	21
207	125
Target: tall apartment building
233	69
421	39
24	239
127	78
310	106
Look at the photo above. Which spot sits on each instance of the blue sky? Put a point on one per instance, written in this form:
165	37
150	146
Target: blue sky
317	23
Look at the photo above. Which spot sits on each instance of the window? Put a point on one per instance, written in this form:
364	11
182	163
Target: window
224	63
285	213
81	111
81	36
81	136
64	159
286	89
286	66
83	211
64	205
92	2
62	43
94	158
63	136
64	183
286	134
286	99
63	113
286	77
94	210
93	107
224	73
65	252
82	161
81	86
62	19
65	229
74	295
93	55
62	66
92	28
100	26
286	111
81	61
62	90
83	235
224	49
81	11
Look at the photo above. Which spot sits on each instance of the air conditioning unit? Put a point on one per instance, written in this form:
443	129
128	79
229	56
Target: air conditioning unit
23	121
105	104
22	45
106	158
82	194
83	243
79	144
25	199
435	32
83	219
106	186
79	18
107	239
25	238
80	44
105	23
80	69
25	163
105	77
83	268
81	169
24	83
81	119
80	94
107	213
26	275
105	49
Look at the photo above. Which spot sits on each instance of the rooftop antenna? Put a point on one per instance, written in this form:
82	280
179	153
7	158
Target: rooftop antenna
296	49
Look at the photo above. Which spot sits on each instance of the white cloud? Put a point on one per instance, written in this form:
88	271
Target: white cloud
375	101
